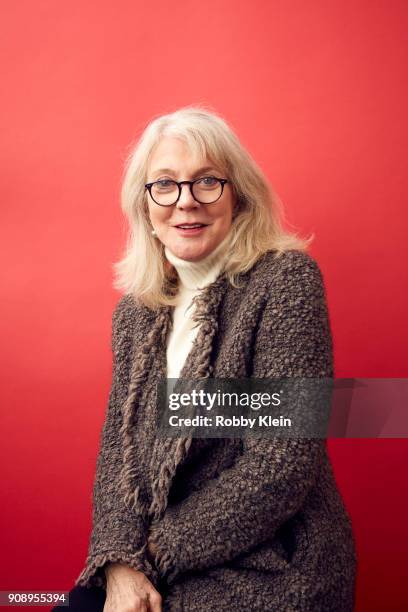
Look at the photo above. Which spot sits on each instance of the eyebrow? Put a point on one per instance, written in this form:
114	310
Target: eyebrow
170	171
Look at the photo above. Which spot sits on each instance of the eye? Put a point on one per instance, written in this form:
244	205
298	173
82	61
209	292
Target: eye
164	185
207	181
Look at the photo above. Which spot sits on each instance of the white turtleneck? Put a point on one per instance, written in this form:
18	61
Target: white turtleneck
193	275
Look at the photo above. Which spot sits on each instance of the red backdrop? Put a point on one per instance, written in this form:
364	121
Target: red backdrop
317	92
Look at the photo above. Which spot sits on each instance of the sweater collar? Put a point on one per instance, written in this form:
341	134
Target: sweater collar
148	368
197	274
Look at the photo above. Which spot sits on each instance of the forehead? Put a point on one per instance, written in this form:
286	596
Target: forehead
173	153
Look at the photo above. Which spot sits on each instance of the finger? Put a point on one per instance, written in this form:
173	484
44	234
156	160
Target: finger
142	606
155	602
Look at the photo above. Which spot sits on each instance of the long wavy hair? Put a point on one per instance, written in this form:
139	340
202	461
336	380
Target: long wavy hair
257	217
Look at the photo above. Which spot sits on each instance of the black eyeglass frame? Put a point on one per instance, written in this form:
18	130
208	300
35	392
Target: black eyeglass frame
148	186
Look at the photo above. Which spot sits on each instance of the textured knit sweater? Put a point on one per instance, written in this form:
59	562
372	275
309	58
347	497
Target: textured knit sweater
193	275
238	523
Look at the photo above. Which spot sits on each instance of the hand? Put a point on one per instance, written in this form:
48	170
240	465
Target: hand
128	590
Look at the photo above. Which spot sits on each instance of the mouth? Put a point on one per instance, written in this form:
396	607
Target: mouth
190	229
190	225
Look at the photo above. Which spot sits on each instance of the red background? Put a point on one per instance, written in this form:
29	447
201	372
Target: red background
317	92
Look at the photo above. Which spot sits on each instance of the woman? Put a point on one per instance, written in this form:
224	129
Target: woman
213	288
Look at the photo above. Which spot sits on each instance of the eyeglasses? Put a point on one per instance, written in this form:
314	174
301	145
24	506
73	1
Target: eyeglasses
205	190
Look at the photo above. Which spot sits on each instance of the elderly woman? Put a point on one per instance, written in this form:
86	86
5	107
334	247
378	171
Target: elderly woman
213	287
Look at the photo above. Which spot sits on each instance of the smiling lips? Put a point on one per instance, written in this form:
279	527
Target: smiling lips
190	229
190	225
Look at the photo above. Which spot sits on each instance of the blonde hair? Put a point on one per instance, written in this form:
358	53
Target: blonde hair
257	219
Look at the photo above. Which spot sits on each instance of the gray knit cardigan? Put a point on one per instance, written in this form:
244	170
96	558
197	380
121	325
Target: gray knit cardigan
248	523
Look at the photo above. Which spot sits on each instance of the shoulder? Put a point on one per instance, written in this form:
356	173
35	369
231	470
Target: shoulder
129	317
295	312
291	269
132	319
121	314
287	263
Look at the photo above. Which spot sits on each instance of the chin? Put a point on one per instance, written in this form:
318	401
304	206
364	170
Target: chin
191	255
191	252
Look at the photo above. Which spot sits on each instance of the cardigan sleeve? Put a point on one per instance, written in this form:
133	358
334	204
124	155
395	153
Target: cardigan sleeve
118	534
268	483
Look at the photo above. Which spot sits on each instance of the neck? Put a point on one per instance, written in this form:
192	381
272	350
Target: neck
196	274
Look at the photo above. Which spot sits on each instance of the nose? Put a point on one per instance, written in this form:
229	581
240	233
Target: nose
186	199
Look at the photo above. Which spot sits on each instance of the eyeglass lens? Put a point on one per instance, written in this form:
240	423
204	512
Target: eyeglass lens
205	190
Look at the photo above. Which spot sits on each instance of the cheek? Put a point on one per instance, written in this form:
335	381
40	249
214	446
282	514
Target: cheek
158	214
226	214
222	214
